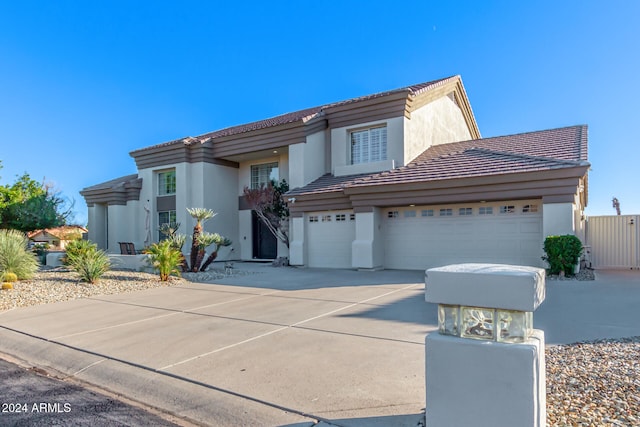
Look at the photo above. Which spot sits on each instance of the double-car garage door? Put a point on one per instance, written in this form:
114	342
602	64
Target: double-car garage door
432	236
420	237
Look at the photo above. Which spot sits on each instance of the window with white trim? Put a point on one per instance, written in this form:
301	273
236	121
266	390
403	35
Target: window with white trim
326	218
392	214
313	218
409	214
427	212
368	145
352	217
341	217
166	217
529	208
507	209
167	183
446	212
264	174
465	211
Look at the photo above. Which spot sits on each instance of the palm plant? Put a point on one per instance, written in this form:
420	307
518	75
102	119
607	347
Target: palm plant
200	215
14	256
219	241
166	258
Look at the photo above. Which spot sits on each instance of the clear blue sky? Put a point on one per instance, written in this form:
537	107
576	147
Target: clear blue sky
84	83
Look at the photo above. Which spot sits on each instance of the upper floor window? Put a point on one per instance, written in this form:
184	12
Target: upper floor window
264	174
369	145
166	183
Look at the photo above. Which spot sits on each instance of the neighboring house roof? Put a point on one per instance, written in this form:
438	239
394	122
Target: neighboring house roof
307	115
526	152
114	192
58	232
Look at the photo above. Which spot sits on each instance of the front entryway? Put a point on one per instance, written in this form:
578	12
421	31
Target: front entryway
265	245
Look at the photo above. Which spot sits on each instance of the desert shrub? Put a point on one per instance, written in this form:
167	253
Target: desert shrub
77	248
166	258
562	253
87	260
14	256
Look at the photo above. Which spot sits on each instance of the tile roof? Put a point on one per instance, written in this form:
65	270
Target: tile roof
114	183
301	115
525	152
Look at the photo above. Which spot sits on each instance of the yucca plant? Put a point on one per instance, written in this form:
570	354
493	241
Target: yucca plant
165	258
87	260
14	256
200	215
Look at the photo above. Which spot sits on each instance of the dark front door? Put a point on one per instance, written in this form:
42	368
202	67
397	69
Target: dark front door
265	245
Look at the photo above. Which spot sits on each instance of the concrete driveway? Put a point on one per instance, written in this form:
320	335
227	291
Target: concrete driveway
282	346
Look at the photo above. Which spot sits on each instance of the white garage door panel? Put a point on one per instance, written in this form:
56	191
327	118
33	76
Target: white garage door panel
431	241
329	241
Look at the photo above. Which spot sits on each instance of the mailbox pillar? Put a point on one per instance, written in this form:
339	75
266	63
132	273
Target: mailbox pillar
485	365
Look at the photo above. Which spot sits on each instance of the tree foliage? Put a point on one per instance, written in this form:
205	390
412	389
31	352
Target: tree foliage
27	205
269	206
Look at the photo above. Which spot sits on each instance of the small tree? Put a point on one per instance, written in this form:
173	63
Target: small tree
266	201
219	241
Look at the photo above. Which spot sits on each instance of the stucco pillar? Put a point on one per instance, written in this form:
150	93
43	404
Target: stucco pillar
485	365
558	219
97	224
367	250
297	244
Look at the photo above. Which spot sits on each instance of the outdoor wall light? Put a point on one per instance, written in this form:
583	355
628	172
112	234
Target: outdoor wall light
481	323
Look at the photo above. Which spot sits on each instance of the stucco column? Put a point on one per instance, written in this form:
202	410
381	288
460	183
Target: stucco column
558	219
297	243
367	250
485	365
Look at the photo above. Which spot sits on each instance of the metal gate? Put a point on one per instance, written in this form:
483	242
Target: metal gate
614	241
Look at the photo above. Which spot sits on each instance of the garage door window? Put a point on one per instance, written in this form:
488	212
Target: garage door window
392	214
529	208
507	209
427	212
465	211
313	218
446	212
485	210
409	214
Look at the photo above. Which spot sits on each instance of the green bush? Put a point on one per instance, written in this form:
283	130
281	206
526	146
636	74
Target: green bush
14	256
562	253
165	258
87	260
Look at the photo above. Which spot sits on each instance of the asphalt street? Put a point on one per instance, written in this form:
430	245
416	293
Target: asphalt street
32	397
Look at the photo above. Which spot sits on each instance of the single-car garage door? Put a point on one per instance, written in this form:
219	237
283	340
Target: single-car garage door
329	238
431	236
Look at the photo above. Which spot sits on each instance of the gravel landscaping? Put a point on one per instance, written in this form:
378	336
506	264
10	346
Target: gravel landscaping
588	384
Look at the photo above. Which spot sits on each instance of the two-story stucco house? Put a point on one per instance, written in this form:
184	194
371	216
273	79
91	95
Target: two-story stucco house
399	179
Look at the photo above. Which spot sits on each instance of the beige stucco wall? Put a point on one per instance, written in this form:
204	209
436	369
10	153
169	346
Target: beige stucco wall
558	219
97	225
438	122
368	246
341	149
307	160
